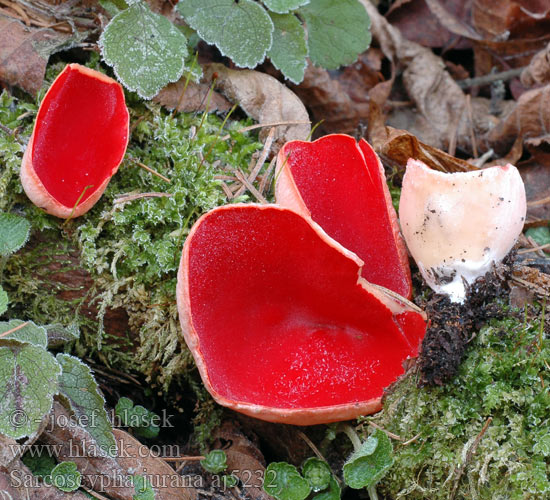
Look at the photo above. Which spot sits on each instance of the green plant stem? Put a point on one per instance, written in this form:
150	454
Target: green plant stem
371	490
349	431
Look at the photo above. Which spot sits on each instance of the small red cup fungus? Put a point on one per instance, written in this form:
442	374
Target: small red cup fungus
281	324
79	139
340	183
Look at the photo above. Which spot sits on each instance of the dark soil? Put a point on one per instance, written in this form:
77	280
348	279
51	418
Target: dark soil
452	325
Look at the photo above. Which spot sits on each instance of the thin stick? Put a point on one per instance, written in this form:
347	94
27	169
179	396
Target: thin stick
260	162
314	448
93	493
180	459
535	249
264	125
471	120
471	450
250	187
390	434
18	327
132	197
490	78
266	176
412	440
149	169
535	203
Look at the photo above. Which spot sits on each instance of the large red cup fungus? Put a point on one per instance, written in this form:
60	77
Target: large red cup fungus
340	184
280	323
79	139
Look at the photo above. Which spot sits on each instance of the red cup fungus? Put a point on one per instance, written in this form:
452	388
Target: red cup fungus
340	183
280	322
79	139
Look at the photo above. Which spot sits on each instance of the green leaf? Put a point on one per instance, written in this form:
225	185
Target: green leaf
334	491
284	482
317	473
66	477
289	50
59	334
28	382
79	387
143	488
241	30
337	31
215	462
370	463
230	480
122	410
4	301
542	444
14	232
39	461
145	49
541	235
284	6
30	333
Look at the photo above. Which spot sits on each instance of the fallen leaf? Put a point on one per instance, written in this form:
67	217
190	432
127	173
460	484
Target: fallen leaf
441	21
244	458
264	99
535	173
195	97
538	71
530	119
399	145
513	31
24	52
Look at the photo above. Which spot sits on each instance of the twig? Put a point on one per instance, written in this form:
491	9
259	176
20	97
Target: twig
265	125
471	120
390	434
149	169
535	249
132	197
314	448
18	327
93	493
536	203
412	440
490	78
267	175
469	454
250	187
259	163
180	459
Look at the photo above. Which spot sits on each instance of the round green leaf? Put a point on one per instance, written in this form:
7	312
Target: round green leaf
230	480
215	462
334	491
14	232
241	30
289	50
66	477
317	473
337	31
284	6
369	463
145	49
284	482
541	235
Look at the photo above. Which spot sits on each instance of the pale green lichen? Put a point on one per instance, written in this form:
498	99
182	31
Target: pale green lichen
505	377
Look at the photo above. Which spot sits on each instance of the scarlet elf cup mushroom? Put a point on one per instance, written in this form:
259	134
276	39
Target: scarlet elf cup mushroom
79	139
280	322
340	183
458	225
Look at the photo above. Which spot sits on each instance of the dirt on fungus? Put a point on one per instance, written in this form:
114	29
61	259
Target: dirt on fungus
452	326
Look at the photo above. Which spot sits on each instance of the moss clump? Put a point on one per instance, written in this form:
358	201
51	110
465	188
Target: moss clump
132	249
506	376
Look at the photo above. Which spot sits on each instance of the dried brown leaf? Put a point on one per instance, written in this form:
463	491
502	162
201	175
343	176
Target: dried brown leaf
538	71
264	99
244	458
24	52
440	21
195	97
399	145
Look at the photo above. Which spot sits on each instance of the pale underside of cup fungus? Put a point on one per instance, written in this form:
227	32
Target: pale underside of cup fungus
457	225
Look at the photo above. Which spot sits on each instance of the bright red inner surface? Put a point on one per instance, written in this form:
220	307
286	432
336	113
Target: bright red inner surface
281	319
343	190
80	135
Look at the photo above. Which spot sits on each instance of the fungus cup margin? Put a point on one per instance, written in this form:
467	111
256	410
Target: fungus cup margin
398	307
32	183
314	177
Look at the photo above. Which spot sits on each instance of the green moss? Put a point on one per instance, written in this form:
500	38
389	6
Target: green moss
132	249
506	376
